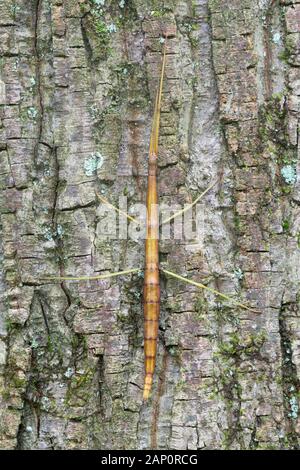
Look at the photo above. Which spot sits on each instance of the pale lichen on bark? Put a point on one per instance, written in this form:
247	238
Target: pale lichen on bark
77	86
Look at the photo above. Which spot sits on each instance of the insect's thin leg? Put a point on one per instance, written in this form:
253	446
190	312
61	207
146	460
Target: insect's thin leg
214	291
105	201
190	205
91	278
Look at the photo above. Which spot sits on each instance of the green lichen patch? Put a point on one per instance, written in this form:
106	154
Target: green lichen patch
275	138
55	345
237	345
276	38
287	54
102	31
107	18
285	225
289	174
15	10
160	12
80	387
290	381
225	314
93	163
294	405
201	307
50	233
98	3
190	28
238	273
129	83
273	120
32	113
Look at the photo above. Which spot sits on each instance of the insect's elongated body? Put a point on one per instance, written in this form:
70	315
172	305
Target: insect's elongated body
151	281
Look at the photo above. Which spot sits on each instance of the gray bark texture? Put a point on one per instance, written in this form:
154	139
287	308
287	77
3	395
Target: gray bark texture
77	87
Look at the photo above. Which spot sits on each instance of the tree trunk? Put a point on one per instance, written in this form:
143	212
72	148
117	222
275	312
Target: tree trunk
77	90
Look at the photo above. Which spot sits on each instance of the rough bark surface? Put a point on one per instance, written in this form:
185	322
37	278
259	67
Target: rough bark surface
77	86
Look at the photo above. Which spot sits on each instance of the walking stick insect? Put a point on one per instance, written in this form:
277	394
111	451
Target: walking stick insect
151	291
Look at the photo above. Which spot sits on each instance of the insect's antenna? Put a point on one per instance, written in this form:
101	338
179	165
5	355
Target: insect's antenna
156	117
160	95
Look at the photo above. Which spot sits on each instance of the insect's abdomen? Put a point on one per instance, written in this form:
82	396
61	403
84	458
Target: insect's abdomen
151	283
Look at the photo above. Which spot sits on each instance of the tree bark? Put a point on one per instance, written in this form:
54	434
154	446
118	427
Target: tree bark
77	89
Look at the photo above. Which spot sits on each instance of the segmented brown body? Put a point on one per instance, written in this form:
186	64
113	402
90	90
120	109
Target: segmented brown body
151	282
